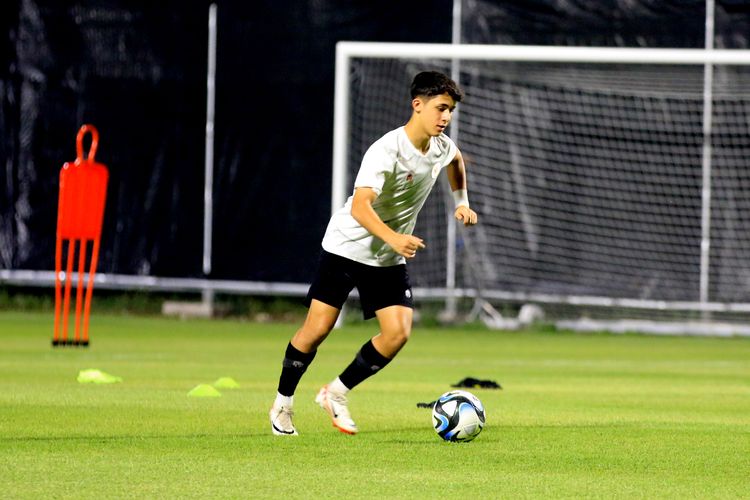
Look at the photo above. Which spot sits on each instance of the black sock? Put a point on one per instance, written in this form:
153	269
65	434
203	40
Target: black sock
367	362
294	366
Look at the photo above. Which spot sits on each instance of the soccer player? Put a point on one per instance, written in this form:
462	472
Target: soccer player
367	244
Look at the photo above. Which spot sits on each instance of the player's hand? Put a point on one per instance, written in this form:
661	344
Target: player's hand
406	245
466	215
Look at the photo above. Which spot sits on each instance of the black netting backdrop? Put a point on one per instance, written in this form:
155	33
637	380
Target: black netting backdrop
137	71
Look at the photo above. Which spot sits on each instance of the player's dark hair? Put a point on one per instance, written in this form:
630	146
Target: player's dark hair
432	83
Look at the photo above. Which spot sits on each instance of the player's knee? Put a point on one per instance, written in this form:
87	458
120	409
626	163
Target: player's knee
403	337
320	320
312	333
318	328
400	335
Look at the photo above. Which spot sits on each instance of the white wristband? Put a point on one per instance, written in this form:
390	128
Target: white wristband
461	198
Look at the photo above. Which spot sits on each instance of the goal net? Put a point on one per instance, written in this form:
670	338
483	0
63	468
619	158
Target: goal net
608	182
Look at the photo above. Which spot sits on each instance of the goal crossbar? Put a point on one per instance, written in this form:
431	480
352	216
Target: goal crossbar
531	53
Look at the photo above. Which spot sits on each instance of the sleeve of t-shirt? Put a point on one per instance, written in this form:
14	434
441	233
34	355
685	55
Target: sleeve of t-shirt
375	165
451	153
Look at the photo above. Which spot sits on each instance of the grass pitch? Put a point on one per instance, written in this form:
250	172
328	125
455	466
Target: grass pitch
579	415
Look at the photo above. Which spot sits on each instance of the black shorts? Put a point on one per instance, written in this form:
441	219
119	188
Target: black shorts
378	287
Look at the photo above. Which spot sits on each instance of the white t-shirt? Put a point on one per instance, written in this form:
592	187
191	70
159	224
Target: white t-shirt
402	177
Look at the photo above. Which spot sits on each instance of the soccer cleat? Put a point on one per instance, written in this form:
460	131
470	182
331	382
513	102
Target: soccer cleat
336	406
281	421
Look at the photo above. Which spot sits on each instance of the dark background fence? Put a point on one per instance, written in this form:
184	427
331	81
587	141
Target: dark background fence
137	70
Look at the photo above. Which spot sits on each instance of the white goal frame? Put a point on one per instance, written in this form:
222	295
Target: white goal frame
346	51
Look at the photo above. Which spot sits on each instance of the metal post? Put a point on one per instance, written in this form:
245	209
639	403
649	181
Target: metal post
208	295
340	140
340	128
706	162
450	253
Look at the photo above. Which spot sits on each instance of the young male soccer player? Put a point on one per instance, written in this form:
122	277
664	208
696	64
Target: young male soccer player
367	243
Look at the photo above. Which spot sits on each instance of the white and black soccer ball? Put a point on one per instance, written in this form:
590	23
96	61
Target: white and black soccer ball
458	416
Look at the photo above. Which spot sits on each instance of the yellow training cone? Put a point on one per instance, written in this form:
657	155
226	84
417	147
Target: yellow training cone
226	383
94	376
204	391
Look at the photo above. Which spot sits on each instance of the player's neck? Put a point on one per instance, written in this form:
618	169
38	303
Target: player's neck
417	136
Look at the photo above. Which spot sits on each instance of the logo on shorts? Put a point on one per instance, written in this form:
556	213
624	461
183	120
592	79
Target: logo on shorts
408	294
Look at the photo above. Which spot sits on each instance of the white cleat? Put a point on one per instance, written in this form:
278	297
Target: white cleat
281	421
336	406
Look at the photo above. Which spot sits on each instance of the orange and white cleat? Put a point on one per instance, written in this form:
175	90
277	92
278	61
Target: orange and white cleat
335	405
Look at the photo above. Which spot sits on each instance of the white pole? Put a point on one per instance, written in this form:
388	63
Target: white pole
340	126
456	62
450	252
706	163
209	150
340	140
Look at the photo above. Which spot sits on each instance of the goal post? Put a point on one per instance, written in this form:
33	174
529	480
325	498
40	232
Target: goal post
605	178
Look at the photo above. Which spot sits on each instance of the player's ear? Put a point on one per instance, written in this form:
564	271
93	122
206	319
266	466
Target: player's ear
416	104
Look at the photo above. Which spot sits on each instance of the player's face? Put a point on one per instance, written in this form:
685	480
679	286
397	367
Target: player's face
435	112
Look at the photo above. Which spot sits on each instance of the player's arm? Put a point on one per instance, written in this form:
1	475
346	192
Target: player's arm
457	179
405	245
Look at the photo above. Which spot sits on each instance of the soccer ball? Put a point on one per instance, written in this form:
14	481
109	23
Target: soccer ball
458	416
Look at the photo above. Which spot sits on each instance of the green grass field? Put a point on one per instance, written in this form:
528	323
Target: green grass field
580	415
